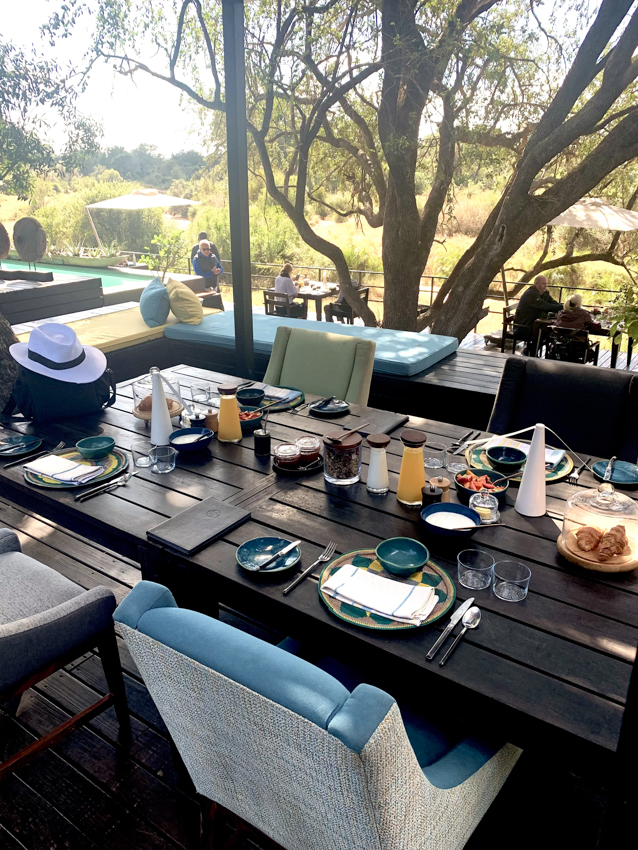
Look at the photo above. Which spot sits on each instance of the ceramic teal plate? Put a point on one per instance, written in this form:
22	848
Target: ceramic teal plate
254	552
19	445
329	409
624	474
113	463
285	405
431	575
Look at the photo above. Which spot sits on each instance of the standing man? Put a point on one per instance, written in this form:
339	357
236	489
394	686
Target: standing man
535	303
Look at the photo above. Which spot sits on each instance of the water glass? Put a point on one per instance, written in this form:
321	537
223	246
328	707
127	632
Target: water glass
200	392
434	455
163	459
142	453
511	581
475	569
455	463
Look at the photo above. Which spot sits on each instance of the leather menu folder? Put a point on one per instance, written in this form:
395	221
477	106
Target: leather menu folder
197	527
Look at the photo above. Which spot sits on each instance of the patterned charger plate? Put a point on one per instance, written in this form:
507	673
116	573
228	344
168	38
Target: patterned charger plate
477	459
431	575
113	463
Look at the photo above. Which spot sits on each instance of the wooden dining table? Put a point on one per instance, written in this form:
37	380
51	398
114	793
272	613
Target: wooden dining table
555	668
541	326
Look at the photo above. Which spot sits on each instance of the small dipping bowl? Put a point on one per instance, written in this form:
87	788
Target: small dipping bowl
506	459
466	514
185	439
250	424
95	448
402	556
250	397
464	493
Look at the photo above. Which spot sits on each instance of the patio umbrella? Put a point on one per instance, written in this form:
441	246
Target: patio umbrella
595	214
139	199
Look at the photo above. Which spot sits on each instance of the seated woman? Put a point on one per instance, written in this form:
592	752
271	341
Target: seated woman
284	284
574	317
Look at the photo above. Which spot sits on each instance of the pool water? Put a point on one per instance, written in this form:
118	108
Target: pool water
109	277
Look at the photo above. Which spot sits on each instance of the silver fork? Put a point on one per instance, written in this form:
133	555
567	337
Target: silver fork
326	555
24	460
574	475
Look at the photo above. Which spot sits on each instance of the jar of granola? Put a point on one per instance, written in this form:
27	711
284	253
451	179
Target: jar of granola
342	461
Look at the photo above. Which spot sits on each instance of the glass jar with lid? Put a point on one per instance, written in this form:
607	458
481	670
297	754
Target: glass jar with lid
342	461
310	448
486	506
600	530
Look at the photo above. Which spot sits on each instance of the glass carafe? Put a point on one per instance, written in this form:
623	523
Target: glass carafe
229	424
412	475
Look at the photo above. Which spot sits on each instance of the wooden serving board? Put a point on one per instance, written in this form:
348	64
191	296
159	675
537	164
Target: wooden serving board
589	560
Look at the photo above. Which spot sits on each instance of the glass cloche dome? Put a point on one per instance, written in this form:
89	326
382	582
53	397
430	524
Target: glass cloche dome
600	530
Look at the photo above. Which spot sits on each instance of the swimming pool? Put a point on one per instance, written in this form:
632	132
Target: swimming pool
109	277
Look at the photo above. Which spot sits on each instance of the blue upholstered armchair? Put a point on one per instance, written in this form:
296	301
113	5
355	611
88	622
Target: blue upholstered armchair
46	621
288	748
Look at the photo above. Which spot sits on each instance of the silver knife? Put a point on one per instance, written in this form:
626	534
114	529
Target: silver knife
454	619
463	446
609	470
278	554
103	488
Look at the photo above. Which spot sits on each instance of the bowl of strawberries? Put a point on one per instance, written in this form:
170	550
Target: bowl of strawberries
472	481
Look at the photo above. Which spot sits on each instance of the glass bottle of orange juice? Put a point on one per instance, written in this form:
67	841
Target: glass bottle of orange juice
412	475
229	425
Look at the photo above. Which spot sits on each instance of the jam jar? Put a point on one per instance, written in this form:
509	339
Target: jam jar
287	455
342	461
310	448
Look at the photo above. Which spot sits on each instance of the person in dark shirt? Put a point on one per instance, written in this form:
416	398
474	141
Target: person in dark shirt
535	303
195	248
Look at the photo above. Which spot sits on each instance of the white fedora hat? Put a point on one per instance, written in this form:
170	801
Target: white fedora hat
55	351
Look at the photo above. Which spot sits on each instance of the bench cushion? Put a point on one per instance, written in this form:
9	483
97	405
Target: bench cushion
155	303
397	352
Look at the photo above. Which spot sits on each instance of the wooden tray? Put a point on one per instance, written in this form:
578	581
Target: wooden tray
589	560
174	410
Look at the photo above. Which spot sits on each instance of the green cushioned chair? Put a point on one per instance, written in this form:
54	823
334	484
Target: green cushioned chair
322	363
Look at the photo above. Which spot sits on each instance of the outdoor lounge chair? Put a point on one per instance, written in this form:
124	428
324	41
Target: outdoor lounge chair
290	750
47	621
594	410
322	363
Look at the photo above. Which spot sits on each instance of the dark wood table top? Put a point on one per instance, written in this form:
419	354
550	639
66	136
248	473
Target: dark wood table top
562	657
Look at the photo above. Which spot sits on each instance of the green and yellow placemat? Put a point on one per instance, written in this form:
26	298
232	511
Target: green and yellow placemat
285	405
431	575
113	463
477	459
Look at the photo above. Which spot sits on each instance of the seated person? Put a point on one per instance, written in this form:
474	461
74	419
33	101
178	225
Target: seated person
207	265
340	309
195	248
535	303
575	318
285	284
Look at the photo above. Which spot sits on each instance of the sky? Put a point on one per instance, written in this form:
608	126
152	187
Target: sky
144	111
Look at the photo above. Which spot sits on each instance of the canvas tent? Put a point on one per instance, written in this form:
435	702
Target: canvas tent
138	199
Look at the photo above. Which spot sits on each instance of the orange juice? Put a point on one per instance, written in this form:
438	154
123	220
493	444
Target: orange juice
229	424
412	475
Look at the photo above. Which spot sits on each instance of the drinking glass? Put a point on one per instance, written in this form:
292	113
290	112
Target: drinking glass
142	453
163	459
475	569
511	581
454	463
200	392
434	455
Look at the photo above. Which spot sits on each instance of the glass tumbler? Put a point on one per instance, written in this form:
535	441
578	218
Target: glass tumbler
200	392
434	455
475	569
163	458
142	453
455	463
511	581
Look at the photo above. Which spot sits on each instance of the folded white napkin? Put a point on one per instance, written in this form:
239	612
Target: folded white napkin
405	603
61	469
552	456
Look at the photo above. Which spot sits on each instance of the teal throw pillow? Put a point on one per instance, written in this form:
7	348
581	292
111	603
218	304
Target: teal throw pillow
155	304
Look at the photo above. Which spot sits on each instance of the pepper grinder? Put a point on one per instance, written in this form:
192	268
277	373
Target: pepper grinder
430	495
444	484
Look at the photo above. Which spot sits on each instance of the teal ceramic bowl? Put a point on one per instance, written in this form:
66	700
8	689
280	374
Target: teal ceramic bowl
464	493
95	448
253	553
183	439
250	424
402	556
506	459
250	396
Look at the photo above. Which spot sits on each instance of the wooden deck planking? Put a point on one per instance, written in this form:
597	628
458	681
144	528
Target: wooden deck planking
89	793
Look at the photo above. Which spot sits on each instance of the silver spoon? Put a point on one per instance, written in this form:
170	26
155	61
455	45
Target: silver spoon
471	619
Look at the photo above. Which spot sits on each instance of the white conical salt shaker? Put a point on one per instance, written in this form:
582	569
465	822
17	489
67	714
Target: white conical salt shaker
532	497
161	427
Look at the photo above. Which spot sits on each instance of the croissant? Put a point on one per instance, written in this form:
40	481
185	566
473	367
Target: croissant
613	543
588	538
